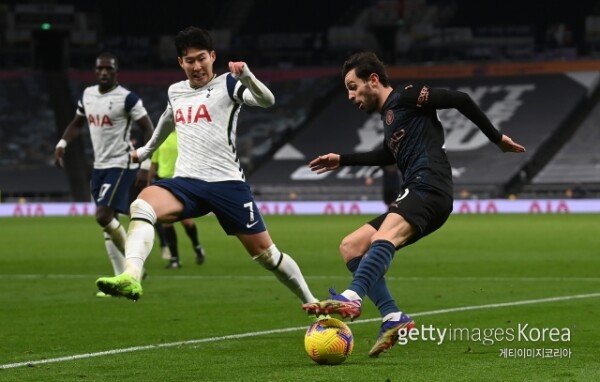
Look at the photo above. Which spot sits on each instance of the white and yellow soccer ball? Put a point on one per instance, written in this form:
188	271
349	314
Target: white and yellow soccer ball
328	341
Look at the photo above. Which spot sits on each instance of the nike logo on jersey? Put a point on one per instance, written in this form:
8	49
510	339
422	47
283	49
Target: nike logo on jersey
248	225
190	115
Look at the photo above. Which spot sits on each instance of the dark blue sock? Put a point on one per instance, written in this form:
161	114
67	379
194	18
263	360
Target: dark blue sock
379	293
192	233
161	234
372	267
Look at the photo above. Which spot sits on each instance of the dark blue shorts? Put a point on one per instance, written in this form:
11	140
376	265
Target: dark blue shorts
110	187
231	201
425	209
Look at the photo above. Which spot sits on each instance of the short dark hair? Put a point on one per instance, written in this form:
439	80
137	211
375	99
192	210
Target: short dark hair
365	64
108	56
193	37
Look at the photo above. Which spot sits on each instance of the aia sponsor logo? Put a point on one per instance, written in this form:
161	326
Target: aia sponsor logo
96	121
389	117
192	115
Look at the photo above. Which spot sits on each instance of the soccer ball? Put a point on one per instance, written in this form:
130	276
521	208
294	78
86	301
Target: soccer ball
328	341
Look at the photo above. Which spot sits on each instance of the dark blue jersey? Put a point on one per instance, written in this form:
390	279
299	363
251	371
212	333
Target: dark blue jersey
415	137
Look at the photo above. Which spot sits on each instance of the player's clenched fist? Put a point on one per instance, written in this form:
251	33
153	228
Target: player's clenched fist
236	68
324	163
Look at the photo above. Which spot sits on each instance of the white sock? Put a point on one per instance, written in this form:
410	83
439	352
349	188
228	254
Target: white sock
117	234
351	295
392	316
140	237
117	259
287	271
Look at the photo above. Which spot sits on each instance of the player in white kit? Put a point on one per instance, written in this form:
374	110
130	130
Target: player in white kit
208	176
109	110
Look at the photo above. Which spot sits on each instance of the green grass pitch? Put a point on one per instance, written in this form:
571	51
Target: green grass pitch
48	310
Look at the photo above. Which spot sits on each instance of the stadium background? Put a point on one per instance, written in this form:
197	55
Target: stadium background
531	66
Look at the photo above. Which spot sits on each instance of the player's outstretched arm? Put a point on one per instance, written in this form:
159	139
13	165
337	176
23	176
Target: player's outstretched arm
164	127
331	161
257	94
73	129
423	96
435	98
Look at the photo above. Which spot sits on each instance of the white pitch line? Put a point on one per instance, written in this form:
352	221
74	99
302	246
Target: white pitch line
318	277
285	330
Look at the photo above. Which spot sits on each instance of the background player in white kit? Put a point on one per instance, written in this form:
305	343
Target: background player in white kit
109	110
208	176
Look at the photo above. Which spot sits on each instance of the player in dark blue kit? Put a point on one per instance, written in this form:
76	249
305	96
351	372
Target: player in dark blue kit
413	140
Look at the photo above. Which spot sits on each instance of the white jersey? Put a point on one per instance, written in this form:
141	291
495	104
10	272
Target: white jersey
206	121
109	117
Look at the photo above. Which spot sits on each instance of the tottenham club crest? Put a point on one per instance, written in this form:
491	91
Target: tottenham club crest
389	117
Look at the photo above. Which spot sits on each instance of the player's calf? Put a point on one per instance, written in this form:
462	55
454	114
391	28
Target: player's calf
287	271
140	237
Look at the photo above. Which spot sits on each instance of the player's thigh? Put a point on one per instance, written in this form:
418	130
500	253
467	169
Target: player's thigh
166	206
395	229
256	243
357	243
233	204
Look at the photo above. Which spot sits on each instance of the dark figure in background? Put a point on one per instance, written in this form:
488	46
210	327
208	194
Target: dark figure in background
390	183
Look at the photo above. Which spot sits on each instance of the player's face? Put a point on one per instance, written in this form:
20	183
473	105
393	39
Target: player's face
361	92
198	65
106	72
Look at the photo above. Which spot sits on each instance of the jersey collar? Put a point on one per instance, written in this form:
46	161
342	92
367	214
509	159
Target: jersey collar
109	90
387	103
201	87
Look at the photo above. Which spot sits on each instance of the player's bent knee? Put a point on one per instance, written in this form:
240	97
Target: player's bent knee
142	210
270	258
356	244
349	248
